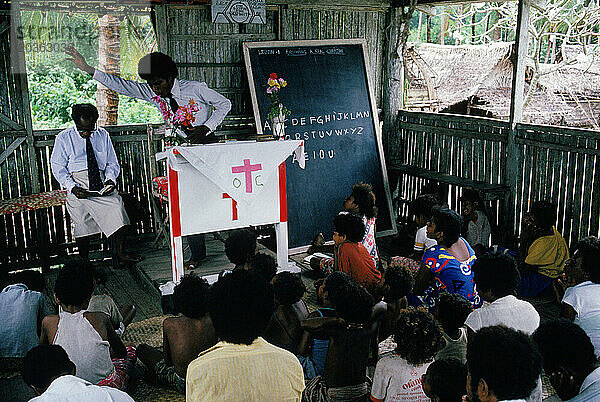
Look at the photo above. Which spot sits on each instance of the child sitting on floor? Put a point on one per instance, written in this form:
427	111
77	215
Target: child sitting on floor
284	329
360	202
49	372
478	230
445	380
581	301
397	283
350	254
451	311
421	208
240	247
263	265
22	308
88	337
103	303
543	251
183	337
398	376
349	341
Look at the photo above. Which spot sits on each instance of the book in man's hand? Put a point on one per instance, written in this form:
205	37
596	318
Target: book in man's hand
106	190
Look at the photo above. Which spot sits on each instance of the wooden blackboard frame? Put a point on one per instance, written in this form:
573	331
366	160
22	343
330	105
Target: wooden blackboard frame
372	103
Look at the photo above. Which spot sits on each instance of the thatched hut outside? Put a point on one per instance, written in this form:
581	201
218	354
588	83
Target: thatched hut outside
476	80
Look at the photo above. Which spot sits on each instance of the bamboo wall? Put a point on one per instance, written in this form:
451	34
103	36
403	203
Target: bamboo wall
563	166
15	154
213	52
557	164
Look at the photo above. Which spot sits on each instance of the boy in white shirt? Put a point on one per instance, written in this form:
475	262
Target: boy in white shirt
421	208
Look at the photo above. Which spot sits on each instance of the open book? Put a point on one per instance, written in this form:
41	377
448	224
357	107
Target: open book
106	190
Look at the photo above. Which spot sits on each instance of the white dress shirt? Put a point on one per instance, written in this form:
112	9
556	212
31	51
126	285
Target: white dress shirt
508	311
69	155
207	99
590	388
69	388
585	300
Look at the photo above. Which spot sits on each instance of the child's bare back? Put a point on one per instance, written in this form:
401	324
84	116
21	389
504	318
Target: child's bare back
185	338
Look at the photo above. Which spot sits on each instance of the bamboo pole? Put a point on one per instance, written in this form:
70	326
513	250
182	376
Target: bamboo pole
516	113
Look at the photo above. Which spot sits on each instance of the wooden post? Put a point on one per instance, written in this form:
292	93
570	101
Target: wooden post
393	77
511	171
161	28
393	88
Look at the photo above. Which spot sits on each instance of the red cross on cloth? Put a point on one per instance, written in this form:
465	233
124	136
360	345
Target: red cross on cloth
247	169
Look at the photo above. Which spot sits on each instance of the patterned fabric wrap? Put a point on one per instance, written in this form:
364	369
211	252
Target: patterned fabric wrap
166	375
123	367
160	185
317	391
326	265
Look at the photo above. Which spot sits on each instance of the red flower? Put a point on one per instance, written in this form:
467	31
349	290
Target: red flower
273	76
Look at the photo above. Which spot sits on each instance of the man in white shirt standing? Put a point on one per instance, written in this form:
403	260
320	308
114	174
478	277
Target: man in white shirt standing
169	93
83	159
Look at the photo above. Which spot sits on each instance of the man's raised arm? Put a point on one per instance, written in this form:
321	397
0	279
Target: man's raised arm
130	88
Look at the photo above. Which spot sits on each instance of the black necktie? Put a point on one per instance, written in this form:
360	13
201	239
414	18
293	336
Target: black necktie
173	102
95	183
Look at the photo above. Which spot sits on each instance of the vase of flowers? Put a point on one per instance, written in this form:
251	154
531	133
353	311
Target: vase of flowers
176	122
277	111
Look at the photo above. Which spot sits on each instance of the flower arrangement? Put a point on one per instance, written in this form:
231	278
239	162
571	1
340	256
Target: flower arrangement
183	117
274	85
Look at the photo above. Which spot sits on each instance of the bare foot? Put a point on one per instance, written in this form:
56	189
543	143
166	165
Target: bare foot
319	240
191	264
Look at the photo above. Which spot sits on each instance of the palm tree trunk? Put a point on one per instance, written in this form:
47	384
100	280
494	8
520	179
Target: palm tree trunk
109	60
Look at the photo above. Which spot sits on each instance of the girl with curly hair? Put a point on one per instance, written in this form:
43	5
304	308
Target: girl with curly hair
398	376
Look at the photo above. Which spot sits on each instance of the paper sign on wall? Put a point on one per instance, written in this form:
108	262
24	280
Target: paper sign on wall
239	11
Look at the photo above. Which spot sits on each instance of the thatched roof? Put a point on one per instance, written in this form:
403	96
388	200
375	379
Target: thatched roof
476	79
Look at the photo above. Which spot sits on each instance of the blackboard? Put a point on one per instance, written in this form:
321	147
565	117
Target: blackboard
334	112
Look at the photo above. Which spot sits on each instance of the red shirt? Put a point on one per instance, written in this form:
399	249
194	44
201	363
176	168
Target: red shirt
354	259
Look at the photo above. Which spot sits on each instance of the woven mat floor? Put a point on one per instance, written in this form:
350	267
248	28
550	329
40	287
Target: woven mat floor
148	331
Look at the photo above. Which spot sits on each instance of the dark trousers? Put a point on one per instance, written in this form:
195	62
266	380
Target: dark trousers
197	247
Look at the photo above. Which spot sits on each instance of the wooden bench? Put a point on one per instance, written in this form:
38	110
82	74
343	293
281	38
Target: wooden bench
489	192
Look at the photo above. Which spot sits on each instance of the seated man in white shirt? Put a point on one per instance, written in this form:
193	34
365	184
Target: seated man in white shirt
169	93
48	370
503	365
581	280
83	159
497	277
569	360
242	365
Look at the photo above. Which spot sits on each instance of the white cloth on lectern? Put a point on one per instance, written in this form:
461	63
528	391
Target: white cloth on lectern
217	165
